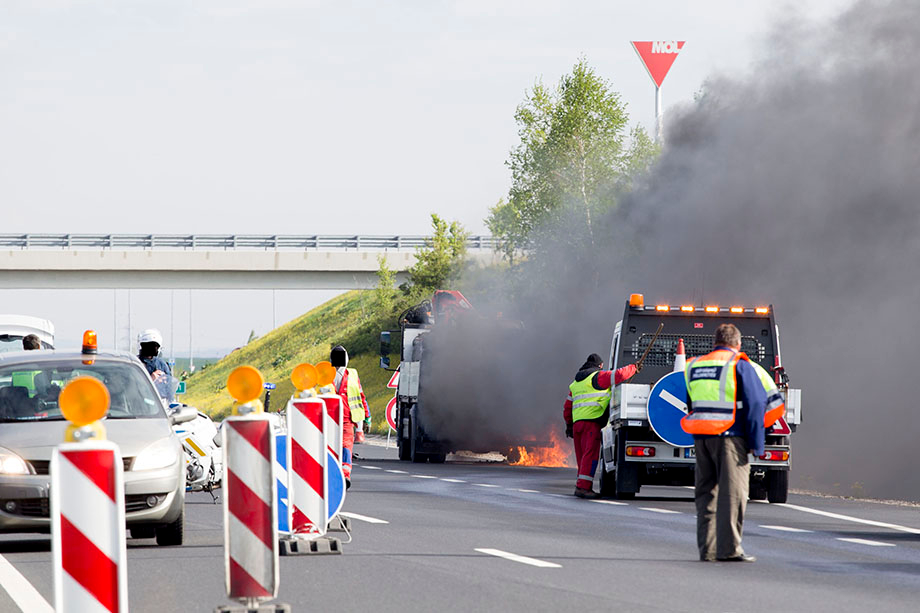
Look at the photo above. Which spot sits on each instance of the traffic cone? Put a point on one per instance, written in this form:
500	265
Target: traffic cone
680	358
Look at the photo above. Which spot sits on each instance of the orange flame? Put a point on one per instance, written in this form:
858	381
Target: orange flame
559	454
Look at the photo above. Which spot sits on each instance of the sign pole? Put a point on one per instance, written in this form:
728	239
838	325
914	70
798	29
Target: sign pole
659	120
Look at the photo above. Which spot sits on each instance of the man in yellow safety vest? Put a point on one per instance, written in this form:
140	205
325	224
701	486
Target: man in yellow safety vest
355	412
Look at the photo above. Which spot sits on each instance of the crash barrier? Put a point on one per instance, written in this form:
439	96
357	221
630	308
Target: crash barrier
250	505
333	403
87	507
307	459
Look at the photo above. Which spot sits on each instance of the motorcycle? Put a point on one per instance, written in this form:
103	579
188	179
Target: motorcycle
200	439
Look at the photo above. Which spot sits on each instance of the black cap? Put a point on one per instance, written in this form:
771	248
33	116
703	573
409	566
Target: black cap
593	361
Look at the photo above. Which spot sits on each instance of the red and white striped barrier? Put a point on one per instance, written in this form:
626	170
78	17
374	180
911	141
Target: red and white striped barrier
334	430
250	530
307	442
88	528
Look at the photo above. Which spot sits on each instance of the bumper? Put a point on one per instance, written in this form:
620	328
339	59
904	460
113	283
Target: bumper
25	503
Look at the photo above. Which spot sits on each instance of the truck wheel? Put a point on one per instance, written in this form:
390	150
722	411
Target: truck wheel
403	446
172	534
625	478
415	455
606	480
758	489
437	458
777	486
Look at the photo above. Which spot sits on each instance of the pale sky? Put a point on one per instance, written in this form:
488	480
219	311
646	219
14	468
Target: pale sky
312	117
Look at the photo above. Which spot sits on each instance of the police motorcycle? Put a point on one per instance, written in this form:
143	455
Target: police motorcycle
200	438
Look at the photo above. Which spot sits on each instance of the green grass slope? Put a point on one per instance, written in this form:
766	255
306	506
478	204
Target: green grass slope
305	339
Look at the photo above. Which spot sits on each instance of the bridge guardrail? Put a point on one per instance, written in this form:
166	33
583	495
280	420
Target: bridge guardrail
226	241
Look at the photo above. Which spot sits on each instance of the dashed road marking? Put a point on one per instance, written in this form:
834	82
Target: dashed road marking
530	491
785	528
397	472
423	476
370	467
484	485
657	510
612	502
866	542
453	480
23	593
518	558
858	520
370	520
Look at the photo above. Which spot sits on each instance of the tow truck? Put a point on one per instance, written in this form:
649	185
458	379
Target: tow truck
643	444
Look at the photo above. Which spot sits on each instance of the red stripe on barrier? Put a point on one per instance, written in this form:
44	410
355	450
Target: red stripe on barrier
98	465
332	407
311	411
307	467
89	567
249	509
301	523
242	585
256	432
333	452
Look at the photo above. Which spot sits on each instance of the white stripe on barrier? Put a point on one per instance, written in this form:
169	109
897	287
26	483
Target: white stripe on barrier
78	599
89	509
250	465
312	443
310	503
254	556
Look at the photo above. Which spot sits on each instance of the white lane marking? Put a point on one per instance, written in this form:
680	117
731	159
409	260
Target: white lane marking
398	472
484	485
20	590
868	522
522	559
673	400
561	495
370	520
657	510
785	528
454	480
370	467
866	542
423	476
530	491
612	502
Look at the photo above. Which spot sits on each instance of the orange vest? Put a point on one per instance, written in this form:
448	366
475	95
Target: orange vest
712	387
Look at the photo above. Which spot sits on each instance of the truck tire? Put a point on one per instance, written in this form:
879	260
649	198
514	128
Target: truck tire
414	454
403	446
758	489
777	486
623	482
437	458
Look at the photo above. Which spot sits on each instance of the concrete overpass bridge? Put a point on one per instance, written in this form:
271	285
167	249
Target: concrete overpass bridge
209	261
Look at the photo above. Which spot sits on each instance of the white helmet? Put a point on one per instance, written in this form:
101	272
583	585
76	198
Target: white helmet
151	335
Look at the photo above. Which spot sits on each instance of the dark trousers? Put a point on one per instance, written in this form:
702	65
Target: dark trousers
587	449
722	479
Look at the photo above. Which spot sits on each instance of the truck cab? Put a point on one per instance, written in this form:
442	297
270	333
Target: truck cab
643	444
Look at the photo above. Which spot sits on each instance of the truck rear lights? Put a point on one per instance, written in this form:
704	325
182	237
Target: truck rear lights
640	452
775	455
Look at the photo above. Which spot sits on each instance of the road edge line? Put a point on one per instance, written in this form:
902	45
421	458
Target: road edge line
23	593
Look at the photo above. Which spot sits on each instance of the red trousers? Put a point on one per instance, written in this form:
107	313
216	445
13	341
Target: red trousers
587	450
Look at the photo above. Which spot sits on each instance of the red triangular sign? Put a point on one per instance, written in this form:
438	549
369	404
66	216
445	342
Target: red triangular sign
658	56
781	427
394	381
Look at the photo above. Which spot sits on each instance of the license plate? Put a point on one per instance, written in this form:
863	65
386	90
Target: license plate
690	452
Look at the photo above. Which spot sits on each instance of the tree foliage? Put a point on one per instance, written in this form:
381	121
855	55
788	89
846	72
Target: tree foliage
573	159
440	262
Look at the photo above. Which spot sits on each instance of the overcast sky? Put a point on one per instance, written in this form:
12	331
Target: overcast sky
312	117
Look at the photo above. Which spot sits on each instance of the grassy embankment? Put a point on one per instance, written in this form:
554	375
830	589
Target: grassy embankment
345	319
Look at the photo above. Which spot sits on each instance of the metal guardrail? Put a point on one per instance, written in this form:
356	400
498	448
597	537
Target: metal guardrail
224	241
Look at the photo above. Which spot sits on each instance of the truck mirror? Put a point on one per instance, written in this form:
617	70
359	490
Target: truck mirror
384	362
384	343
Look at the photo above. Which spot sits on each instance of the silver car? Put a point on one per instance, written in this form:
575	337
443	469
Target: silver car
31	425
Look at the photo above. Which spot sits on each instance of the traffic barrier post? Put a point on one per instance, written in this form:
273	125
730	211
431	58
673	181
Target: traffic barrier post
250	503
88	507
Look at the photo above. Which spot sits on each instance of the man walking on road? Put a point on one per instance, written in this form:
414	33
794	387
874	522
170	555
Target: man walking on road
355	412
586	412
725	403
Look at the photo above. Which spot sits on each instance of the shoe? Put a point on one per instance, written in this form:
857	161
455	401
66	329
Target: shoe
347	483
707	559
739	558
587	494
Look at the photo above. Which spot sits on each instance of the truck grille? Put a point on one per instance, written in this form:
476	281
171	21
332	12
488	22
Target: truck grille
662	353
42	466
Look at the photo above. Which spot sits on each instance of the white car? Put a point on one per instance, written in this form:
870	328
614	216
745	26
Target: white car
14	327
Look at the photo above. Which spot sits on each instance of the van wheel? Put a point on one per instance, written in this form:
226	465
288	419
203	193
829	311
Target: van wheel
758	489
778	486
171	535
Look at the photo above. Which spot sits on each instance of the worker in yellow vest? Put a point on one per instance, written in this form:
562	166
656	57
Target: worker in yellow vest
725	404
355	412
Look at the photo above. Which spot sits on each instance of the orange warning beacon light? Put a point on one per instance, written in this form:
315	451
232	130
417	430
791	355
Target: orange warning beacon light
304	376
636	300
325	372
90	344
245	384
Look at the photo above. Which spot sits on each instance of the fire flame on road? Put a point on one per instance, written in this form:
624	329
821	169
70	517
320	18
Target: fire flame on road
559	454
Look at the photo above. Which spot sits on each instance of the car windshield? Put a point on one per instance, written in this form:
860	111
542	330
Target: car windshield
29	391
13	342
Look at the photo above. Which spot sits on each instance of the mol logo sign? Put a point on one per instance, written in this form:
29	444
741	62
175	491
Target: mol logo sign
657	56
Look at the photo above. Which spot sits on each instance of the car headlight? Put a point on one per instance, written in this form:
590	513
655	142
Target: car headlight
158	455
12	464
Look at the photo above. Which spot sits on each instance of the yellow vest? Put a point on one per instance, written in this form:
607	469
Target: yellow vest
588	402
712	387
353	391
776	404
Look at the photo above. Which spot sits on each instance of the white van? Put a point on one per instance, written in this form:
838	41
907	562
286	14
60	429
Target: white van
14	327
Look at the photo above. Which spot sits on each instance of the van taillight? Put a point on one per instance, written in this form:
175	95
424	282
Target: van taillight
640	452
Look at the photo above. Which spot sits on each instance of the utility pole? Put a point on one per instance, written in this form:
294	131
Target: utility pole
191	360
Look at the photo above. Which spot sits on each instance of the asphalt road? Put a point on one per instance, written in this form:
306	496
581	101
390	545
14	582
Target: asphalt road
447	527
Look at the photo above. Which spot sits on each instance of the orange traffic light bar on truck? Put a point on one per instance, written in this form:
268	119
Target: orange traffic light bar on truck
710	309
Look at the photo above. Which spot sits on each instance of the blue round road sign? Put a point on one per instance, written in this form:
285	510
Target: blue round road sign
667	405
335	494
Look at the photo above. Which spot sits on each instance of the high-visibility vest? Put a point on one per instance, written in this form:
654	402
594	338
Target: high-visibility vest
588	402
776	404
713	387
353	396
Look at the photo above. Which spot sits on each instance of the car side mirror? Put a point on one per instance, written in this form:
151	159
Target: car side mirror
384	343
385	362
182	415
